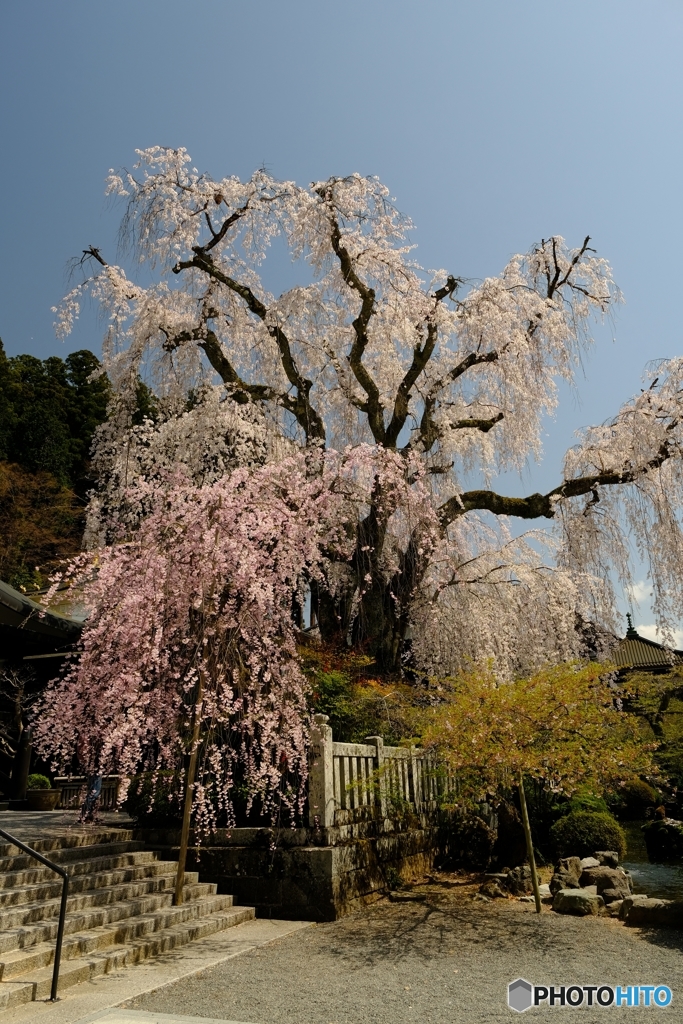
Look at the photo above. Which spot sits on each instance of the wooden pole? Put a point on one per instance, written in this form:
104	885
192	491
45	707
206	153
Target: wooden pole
529	844
187	803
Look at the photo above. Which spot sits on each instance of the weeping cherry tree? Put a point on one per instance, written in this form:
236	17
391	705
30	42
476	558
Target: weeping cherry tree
376	359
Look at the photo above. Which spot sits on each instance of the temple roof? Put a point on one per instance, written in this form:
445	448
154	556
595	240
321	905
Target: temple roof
27	629
635	651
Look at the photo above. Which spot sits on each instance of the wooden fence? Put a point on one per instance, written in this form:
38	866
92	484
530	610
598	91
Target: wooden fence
353	782
348	782
73	792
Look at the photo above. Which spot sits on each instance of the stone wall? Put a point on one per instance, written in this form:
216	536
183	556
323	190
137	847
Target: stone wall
372	813
304	874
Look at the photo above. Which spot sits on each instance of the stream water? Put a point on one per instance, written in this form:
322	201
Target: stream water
662	880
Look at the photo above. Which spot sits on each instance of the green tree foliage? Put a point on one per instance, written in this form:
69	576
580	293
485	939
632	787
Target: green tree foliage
41	524
344	688
634	799
657	700
49	411
564	726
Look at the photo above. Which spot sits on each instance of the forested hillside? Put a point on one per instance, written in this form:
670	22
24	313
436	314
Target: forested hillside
49	410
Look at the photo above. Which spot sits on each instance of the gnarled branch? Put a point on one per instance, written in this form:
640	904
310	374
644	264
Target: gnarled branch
299	405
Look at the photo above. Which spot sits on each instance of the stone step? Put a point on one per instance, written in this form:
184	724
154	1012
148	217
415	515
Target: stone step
23	936
65	856
37	981
45	907
52	888
10	879
130	931
67	841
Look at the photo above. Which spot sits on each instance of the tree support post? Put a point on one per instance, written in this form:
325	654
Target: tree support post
529	843
187	803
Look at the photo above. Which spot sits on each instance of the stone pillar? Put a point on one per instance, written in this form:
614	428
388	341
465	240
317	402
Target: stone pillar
320	778
378	743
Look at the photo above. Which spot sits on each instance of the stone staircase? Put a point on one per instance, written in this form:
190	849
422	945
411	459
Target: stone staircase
120	911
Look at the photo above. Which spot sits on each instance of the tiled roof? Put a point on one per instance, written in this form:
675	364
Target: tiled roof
637	652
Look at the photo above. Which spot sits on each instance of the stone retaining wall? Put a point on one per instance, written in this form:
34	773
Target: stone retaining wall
304	874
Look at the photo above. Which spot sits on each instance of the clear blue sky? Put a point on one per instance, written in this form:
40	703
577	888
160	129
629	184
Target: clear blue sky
494	122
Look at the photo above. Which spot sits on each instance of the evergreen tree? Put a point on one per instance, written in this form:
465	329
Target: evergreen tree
49	411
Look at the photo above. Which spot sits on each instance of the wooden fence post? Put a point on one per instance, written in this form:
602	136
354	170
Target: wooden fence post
378	743
320	778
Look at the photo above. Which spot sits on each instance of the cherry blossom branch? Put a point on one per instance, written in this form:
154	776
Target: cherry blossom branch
301	407
544	506
375	409
421	356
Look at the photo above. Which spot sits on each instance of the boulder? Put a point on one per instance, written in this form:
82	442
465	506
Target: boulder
567	875
606	878
664	840
569	865
614	909
630	902
648	913
493	890
589	862
615	895
609	858
519	880
577	901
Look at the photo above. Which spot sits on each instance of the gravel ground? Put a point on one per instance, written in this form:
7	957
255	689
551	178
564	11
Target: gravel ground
441	958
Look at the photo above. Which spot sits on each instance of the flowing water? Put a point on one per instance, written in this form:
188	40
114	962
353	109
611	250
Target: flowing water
662	880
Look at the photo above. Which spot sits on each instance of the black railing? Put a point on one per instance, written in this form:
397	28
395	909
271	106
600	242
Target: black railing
62	910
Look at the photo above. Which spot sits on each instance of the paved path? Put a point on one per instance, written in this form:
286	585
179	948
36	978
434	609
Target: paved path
84	1002
26	825
142	1017
445	960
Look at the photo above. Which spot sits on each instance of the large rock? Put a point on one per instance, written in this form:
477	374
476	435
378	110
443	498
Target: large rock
615	895
609	858
493	890
567	875
577	901
630	902
606	878
589	862
664	840
644	912
519	880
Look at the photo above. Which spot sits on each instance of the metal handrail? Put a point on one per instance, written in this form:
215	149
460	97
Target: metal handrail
62	910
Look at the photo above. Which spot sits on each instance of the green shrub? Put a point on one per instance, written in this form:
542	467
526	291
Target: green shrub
581	833
361	707
152	805
37	781
586	800
633	799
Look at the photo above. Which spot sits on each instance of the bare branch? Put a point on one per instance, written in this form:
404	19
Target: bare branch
537	506
300	405
375	410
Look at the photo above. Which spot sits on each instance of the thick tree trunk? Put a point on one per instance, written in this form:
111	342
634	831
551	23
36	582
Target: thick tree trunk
377	624
22	764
